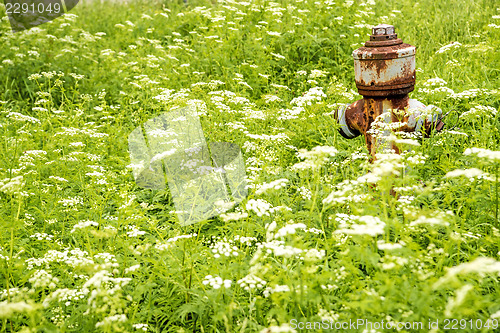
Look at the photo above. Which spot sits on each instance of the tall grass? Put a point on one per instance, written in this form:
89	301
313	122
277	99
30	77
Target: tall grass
320	238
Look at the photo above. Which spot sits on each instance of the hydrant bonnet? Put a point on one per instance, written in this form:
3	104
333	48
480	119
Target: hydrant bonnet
386	65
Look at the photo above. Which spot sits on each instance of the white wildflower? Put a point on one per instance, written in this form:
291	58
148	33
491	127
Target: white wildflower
225	248
8	309
171	241
310	97
382	245
141	327
452	45
226	217
259	207
274	185
21	117
273	33
389	262
276	289
271	98
11	185
134	231
471	174
250	282
111	319
432	221
43	279
83	225
313	255
132	268
481	266
484	153
279	249
359	225
316	73
304	192
42	236
217	282
435	82
479	111
314	158
278	56
289	229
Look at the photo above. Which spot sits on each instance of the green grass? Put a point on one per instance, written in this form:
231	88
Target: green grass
84	249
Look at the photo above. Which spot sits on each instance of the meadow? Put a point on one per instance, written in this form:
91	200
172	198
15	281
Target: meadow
321	236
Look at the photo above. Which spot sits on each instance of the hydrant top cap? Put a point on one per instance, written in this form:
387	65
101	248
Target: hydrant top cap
383	35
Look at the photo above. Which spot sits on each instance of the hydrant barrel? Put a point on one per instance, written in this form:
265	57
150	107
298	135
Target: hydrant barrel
386	65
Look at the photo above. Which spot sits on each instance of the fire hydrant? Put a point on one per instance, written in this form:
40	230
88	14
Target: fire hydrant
385	73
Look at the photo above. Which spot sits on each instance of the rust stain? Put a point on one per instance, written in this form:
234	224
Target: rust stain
354	116
372	108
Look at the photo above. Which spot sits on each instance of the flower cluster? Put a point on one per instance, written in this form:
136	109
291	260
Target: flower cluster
471	174
438	219
42	279
216	282
310	97
447	47
73	258
279	249
234	216
389	262
314	158
479	111
382	245
350	191
141	327
304	192
490	155
83	225
276	289
250	282
481	266
42	236
12	185
359	225
134	231
171	241
224	247
289	229
274	185
259	207
248	241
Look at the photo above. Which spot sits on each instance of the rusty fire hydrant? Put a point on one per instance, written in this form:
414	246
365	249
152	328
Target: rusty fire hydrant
385	73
